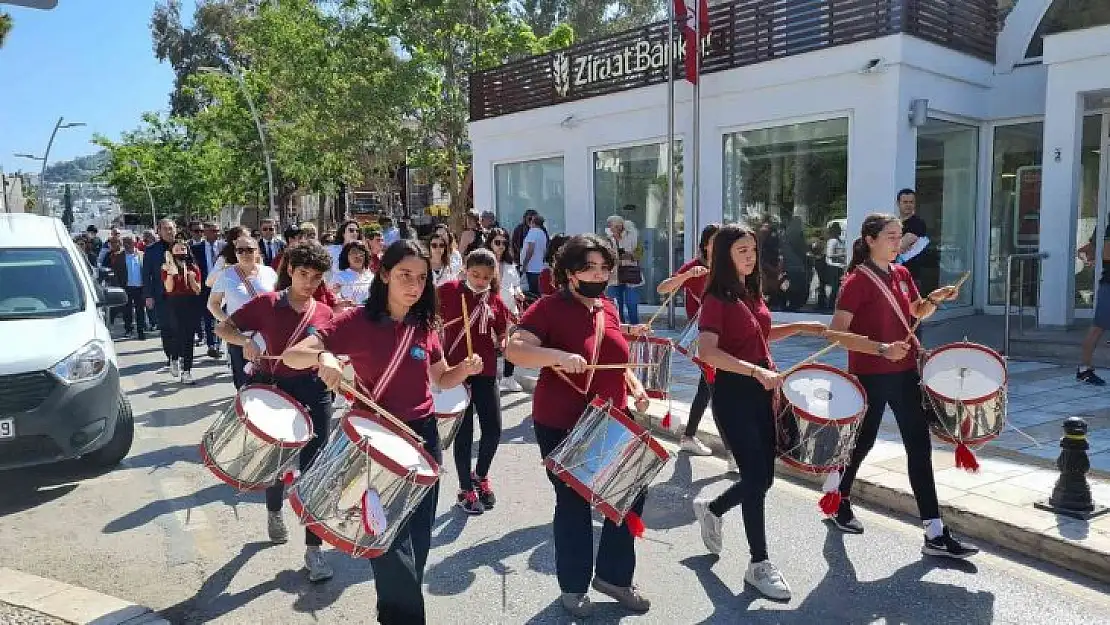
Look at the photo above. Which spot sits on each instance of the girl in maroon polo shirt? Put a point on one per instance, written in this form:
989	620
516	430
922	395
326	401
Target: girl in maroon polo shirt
735	334
692	278
561	330
489	320
181	279
878	299
399	318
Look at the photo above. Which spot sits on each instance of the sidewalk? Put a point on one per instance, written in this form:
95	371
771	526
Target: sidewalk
995	504
30	600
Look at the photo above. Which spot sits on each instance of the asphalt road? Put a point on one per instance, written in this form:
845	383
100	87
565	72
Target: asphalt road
161	531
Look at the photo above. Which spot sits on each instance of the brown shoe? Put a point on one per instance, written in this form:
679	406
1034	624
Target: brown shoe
579	605
629	597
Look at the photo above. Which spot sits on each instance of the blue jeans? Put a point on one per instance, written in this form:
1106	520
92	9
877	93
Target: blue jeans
627	298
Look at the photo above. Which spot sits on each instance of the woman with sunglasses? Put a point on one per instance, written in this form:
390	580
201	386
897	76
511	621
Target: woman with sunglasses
234	287
352	282
511	294
442	269
347	232
227	256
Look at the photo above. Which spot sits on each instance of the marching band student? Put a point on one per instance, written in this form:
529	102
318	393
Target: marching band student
283	318
511	294
394	335
735	334
879	300
562	334
489	320
692	278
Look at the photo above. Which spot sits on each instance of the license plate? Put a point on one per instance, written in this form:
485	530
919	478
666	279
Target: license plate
7	428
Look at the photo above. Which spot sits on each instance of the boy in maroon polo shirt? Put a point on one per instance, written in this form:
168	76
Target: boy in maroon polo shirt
283	318
879	300
569	330
488	319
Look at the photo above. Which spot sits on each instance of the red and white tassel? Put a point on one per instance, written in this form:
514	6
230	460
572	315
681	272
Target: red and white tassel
290	476
666	423
710	374
830	501
965	459
635	524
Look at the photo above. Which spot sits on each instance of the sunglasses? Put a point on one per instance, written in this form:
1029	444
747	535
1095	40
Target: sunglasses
245	250
499	242
197	231
438	246
267	230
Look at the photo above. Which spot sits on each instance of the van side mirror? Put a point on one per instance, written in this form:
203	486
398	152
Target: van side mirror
113	297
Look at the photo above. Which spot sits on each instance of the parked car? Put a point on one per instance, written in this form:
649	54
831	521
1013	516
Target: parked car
60	395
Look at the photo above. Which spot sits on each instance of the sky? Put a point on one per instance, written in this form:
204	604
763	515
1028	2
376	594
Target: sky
87	60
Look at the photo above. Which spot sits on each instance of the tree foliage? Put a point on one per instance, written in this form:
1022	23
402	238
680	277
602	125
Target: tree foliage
590	19
67	208
5	27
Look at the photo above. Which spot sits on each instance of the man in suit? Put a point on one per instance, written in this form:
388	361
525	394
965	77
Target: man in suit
270	246
153	287
127	273
207	252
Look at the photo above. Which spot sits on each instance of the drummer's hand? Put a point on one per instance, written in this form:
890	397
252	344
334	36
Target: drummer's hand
897	351
945	293
331	370
251	352
769	379
472	364
696	271
813	327
571	363
642	403
641	329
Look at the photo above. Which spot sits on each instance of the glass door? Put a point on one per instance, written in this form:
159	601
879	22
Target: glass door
1091	221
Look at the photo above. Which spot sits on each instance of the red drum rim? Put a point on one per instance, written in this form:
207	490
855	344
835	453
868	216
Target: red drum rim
242	414
975	346
326	534
634	427
647	339
809	468
605	508
389	463
951	440
850	378
224	477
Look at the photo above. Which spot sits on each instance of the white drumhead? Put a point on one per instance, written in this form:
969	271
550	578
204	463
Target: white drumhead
450	400
391	445
275	415
963	373
823	393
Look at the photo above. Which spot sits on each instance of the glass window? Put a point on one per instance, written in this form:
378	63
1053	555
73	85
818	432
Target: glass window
632	183
1089	246
790	183
37	283
947	192
1068	15
1015	204
531	184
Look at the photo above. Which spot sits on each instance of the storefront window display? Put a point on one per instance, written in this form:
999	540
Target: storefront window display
534	184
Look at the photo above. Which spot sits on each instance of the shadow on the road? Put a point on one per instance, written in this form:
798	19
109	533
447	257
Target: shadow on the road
605	611
163	458
520	434
34	486
151	511
184	415
669	503
456	572
448	526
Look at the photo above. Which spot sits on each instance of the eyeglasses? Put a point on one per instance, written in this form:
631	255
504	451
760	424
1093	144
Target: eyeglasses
438	246
499	242
246	250
355	230
267	230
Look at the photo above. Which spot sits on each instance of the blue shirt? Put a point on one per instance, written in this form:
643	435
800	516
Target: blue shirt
134	269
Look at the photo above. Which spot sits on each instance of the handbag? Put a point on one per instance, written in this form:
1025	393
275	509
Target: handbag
629	273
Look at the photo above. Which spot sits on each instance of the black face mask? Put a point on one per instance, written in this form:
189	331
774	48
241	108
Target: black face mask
591	290
181	257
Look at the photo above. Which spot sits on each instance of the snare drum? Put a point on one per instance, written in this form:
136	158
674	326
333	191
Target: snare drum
257	438
450	405
650	350
363	485
965	383
608	459
821	410
687	345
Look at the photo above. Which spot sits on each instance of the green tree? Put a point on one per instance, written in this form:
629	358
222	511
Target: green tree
5	27
590	19
67	208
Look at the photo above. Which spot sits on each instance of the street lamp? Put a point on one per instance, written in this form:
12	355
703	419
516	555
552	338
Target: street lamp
149	194
41	193
238	76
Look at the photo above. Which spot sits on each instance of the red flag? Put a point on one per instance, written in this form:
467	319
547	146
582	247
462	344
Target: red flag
691	37
703	18
680	13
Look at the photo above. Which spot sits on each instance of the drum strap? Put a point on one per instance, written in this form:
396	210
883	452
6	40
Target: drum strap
245	279
599	332
884	288
394	364
480	315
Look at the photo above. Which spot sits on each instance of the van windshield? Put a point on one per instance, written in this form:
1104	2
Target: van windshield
37	283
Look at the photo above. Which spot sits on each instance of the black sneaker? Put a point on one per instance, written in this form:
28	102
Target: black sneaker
845	520
1089	376
468	502
485	492
946	545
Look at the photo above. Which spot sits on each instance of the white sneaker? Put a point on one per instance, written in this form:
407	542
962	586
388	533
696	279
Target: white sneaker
318	568
510	385
692	445
767	579
175	368
732	466
711	527
187	378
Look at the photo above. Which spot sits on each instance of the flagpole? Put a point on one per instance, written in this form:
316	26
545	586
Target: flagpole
670	159
695	196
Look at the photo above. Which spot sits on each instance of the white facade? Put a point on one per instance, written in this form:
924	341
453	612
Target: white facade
883	144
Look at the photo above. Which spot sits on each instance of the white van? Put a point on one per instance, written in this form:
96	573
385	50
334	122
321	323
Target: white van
60	394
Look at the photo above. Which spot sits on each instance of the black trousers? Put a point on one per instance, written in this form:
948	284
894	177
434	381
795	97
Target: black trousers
574	533
399	572
533	282
902	392
697	408
313	395
166	326
238	365
486	402
742	408
186	311
134	312
509	368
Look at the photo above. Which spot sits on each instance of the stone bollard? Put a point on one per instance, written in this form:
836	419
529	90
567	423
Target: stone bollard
1072	494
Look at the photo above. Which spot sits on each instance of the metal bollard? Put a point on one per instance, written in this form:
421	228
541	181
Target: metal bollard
1072	494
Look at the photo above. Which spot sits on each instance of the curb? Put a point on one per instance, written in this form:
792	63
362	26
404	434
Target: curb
69	603
970	520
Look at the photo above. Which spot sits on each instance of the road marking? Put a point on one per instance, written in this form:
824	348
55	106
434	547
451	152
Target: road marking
190	521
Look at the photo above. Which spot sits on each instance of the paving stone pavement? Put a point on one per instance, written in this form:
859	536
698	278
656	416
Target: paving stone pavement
15	615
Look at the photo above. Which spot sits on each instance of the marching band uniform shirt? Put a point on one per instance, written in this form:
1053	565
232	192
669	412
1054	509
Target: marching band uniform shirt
180	286
873	317
370	345
547	281
271	315
742	327
694	287
489	320
562	322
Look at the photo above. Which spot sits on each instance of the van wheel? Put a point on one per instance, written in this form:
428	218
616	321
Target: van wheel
118	447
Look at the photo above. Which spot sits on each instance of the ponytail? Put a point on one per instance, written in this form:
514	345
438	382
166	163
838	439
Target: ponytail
861	251
873	224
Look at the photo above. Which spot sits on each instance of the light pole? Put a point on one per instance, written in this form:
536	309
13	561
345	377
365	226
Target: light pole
238	76
41	193
149	194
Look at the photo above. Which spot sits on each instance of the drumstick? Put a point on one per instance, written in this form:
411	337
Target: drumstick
828	348
663	306
466	327
917	322
629	365
350	388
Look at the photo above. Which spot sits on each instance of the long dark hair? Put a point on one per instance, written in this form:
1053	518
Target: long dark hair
231	235
572	255
707	234
445	255
423	312
507	255
873	224
724	281
342	230
345	262
553	248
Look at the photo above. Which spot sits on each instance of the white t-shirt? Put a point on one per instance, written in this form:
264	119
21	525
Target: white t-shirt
539	238
236	294
444	275
354	285
510	286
